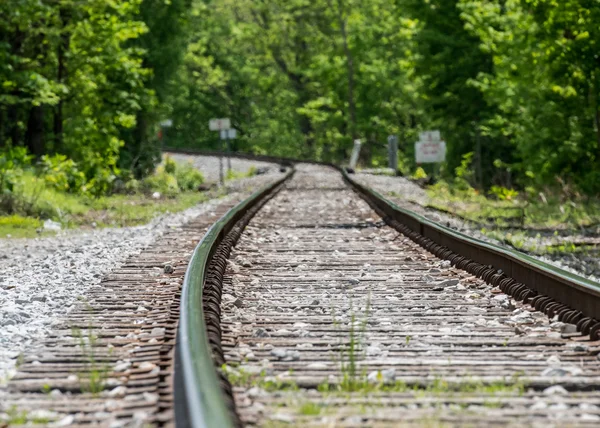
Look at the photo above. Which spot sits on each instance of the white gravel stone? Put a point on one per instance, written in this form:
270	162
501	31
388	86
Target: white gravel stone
42	278
555	390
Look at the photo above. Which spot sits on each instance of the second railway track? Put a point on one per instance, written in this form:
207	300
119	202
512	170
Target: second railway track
330	317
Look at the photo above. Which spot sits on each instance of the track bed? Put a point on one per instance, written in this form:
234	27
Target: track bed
332	318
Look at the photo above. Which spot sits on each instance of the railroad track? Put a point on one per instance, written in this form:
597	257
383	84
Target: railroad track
331	317
334	308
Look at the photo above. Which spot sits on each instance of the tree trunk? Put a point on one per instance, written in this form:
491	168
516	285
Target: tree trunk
63	48
350	69
34	137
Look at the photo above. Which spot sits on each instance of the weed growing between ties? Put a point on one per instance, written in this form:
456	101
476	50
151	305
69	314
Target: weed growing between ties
438	386
93	379
352	350
13	416
240	377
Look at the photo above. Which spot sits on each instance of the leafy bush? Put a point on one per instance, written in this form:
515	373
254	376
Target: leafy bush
419	174
162	182
503	194
464	172
170	165
172	178
12	163
62	174
188	177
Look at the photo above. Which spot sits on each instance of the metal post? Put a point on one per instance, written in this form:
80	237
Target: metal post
229	153
221	176
355	153
393	152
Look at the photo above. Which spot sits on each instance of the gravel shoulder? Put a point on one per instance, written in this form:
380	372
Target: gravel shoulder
209	165
42	278
410	196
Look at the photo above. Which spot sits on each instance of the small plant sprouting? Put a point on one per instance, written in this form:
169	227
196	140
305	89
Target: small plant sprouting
310	409
21	417
20	360
408	340
93	380
242	378
352	380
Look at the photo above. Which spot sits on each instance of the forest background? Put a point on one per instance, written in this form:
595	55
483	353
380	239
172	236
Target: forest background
513	85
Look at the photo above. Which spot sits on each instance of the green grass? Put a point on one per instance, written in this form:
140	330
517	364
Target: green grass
239	377
93	380
436	387
19	227
21	417
34	197
310	409
74	211
550	211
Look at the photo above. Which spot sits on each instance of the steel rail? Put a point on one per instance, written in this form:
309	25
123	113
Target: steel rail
556	291
198	397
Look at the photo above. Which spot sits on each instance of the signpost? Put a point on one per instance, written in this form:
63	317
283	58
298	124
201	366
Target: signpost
167	123
228	135
224	127
393	152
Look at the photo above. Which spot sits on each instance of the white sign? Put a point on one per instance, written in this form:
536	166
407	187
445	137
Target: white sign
430	148
219	124
167	123
430	152
430	136
228	134
355	153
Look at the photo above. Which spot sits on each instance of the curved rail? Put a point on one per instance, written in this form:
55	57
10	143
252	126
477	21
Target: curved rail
198	396
199	401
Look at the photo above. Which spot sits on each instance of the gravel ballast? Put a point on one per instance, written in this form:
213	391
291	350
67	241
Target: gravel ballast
42	278
209	165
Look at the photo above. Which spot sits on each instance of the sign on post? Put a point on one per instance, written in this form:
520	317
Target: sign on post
430	148
219	124
228	134
393	152
355	153
223	126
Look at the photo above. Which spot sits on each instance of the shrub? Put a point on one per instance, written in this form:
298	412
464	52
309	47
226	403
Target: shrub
62	174
172	178
188	177
503	193
162	182
12	163
170	165
419	174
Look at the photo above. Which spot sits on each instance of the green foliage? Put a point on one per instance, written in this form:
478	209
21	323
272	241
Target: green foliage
170	165
93	379
62	173
464	172
188	177
172	178
162	182
503	193
310	409
514	82
419	174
